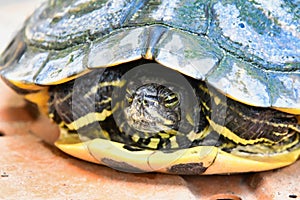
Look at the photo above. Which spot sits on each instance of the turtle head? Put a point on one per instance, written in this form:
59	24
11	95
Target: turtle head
152	108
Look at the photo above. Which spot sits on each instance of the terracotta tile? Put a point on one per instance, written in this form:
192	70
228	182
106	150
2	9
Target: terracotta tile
32	169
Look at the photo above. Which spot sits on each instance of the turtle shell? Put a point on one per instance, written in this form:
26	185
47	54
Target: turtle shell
249	50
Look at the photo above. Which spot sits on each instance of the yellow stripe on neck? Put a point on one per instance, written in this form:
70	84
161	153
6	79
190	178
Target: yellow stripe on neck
222	130
88	119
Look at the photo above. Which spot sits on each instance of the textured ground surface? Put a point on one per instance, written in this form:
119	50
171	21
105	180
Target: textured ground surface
32	169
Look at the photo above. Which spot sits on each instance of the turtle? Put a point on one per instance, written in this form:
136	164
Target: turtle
173	86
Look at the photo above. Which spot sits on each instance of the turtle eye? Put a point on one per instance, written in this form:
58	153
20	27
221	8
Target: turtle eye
171	100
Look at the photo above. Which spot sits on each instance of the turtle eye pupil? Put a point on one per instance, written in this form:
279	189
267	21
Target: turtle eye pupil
145	102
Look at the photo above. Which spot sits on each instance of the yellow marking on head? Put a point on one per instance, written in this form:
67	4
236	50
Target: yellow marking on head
169	99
